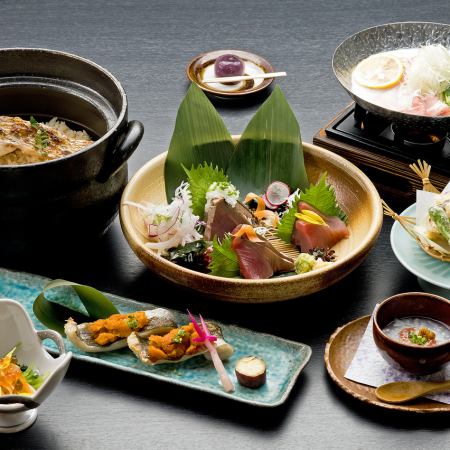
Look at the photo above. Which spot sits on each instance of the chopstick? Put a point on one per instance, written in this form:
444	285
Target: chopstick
243	77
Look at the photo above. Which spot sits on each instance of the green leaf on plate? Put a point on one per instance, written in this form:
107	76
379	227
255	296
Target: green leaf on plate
285	227
200	179
54	315
200	135
224	260
323	197
270	149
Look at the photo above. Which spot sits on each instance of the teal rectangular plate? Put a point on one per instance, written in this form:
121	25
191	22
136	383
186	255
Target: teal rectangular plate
284	359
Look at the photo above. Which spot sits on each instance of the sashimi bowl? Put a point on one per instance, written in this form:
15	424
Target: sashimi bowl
354	191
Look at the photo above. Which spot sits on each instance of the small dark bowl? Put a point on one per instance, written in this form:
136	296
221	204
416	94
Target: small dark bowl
413	358
75	197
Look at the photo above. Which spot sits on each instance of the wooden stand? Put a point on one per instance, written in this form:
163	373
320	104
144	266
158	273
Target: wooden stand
395	181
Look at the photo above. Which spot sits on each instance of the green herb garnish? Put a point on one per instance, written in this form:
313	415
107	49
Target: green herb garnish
286	226
132	322
446	96
41	138
34	378
417	338
224	260
323	197
200	179
178	338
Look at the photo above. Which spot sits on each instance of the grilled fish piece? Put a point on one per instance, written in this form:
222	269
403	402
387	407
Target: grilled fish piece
223	218
83	336
140	347
18	142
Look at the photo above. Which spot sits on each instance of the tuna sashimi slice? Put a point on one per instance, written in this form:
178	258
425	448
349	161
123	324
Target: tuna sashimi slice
308	236
259	260
252	263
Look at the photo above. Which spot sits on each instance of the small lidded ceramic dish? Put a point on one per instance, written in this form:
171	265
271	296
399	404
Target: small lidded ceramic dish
412	330
18	412
203	67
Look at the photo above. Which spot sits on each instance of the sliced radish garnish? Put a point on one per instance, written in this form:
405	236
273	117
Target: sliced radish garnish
268	204
277	193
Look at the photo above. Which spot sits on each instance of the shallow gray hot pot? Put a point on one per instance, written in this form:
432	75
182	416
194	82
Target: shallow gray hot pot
383	38
76	196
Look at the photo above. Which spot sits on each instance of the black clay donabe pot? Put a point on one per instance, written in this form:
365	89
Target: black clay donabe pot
75	197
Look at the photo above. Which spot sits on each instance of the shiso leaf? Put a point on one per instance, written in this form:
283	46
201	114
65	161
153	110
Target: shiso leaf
323	197
54	315
269	149
200	179
224	260
286	225
200	136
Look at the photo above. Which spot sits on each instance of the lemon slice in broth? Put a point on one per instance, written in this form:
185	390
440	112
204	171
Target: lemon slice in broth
379	71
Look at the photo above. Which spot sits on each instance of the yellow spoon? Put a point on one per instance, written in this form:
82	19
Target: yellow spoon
403	391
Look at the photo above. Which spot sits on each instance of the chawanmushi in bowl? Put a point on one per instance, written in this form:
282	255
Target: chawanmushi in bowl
64	142
412	330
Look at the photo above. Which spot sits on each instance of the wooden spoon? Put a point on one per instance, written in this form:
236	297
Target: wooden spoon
403	391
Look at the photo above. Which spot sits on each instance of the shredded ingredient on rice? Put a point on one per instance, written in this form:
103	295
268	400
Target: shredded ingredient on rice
26	142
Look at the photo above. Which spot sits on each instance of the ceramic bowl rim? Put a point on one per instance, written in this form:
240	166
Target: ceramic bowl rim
102	138
216	92
422	349
372	233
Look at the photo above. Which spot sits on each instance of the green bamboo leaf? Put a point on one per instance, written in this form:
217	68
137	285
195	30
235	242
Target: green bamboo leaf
270	149
200	136
54	315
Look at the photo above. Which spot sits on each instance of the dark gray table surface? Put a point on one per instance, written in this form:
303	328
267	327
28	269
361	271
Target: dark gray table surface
146	44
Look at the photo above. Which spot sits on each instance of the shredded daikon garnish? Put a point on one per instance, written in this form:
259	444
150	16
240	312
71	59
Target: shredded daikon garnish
223	190
170	225
429	72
